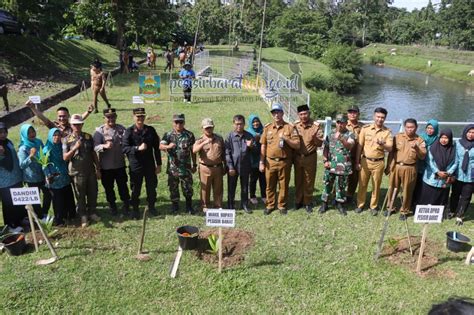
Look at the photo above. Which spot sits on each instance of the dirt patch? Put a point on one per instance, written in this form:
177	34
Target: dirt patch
154	118
64	233
397	252
26	86
234	244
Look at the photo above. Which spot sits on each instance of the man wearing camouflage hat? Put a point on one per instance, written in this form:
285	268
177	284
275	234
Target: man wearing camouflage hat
178	143
354	126
337	163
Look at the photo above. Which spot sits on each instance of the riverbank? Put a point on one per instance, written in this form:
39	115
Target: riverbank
446	63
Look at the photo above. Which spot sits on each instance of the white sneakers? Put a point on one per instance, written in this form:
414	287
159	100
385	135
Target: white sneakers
18	229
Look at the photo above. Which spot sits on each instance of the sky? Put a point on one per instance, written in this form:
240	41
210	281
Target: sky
412	4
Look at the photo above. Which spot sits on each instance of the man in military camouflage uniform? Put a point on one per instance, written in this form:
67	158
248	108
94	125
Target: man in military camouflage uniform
181	162
337	163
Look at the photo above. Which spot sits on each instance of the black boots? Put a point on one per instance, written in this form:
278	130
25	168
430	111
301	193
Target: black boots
323	208
189	206
341	209
175	207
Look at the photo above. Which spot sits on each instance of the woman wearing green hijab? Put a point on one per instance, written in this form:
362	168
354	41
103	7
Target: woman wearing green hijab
28	155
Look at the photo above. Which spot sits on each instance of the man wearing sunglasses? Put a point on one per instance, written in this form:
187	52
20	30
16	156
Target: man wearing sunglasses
178	143
108	145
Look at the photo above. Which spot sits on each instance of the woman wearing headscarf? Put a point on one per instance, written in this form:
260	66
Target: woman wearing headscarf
28	155
10	177
430	135
58	180
256	129
440	167
464	186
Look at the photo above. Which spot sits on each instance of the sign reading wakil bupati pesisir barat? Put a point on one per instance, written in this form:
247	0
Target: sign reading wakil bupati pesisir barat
428	214
220	218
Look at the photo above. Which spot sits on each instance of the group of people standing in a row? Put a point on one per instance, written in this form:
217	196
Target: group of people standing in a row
352	155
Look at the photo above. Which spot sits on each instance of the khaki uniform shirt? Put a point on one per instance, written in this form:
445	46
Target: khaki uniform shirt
212	153
271	138
306	132
355	129
82	163
403	151
368	140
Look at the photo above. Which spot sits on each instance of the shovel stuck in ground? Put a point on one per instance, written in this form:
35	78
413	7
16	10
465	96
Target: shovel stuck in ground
143	256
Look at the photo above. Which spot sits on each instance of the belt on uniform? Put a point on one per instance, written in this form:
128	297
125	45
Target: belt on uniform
308	154
208	165
406	164
372	159
276	159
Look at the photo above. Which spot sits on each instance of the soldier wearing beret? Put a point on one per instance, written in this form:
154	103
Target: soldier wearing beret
84	168
311	137
178	143
141	144
108	140
279	140
337	164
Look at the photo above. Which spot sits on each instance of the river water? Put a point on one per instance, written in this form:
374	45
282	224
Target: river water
411	94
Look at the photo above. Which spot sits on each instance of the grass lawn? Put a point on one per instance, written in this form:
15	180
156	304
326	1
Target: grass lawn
299	263
448	63
278	58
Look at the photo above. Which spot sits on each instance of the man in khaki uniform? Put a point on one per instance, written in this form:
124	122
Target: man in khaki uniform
311	137
211	150
278	141
408	147
354	126
374	140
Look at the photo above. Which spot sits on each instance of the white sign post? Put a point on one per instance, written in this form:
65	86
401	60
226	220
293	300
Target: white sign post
137	100
220	218
29	196
426	214
35	99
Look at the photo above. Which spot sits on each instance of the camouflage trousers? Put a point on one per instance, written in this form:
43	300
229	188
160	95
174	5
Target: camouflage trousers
186	186
338	182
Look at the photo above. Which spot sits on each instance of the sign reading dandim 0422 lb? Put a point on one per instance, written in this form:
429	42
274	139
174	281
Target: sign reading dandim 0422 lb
220	218
25	196
428	214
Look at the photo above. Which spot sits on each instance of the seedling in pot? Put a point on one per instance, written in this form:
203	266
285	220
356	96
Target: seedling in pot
47	225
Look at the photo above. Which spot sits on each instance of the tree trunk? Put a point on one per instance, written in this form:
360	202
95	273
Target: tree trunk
119	22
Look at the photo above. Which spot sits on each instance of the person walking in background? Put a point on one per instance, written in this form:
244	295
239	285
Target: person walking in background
10	177
337	164
463	187
440	168
4	93
84	168
98	81
178	144
430	135
211	150
305	159
28	155
58	180
239	145
187	75
141	144
278	141
374	140
256	129
169	60
354	126
108	140
408	148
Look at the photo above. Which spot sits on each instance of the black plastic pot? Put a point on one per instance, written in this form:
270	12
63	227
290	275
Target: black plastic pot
14	243
456	242
188	242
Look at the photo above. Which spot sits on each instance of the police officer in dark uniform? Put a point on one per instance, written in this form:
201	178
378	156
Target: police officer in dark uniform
141	144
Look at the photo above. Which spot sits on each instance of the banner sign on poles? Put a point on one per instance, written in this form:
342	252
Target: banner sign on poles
220	217
428	214
25	196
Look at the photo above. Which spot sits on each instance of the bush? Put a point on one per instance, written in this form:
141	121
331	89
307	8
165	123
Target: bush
376	59
327	103
319	81
343	58
339	81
